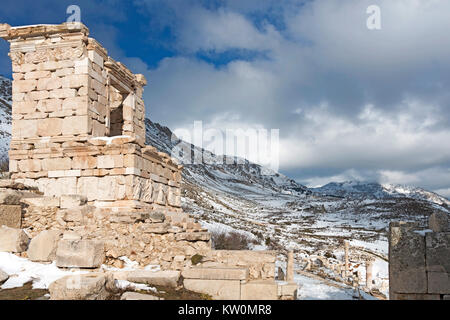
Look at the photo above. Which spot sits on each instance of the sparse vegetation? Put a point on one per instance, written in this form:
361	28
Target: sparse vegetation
4	166
231	241
196	259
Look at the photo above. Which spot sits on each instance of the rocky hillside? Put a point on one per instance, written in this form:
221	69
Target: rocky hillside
272	208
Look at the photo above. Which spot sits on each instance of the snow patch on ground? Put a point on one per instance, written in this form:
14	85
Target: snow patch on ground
21	271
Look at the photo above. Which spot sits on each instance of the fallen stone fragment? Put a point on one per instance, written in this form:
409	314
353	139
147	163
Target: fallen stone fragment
91	286
11	216
43	246
13	240
80	253
155	278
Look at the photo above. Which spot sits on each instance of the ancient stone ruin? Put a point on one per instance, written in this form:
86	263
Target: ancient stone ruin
87	190
419	260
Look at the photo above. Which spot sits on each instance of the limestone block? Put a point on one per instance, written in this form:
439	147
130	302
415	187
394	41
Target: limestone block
159	228
167	278
24	128
24	67
37	75
76	214
105	162
38	95
43	246
49	84
52	164
10	197
438	282
25	107
49	105
59	186
438	251
84	162
13	240
259	290
50	127
72	201
71	235
76	125
217	289
216	273
193	236
407	269
439	222
288	290
42	202
3	277
75	81
11	216
64	72
89	286
80	253
62	93
54	65
24	86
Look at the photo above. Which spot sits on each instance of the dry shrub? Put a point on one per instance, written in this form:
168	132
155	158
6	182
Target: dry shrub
231	241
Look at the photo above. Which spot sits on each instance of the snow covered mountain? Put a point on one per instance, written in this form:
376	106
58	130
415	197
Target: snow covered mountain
374	190
5	116
274	208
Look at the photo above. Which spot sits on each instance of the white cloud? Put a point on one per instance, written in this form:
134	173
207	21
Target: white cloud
359	103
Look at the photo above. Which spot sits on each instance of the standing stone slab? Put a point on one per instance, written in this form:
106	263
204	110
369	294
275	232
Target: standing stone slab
407	269
43	246
11	216
89	286
13	240
80	253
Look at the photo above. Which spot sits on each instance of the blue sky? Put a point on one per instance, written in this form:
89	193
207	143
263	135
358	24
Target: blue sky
350	103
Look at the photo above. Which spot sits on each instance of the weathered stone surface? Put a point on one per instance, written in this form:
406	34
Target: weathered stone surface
80	253
407	268
216	273
42	202
155	278
414	296
259	290
193	236
438	282
137	296
3	277
288	290
439	222
11	216
71	235
13	240
217	289
10	197
438	251
89	286
156	217
71	201
43	246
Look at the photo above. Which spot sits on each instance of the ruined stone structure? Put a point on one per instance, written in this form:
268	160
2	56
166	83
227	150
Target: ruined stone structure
78	122
84	188
419	260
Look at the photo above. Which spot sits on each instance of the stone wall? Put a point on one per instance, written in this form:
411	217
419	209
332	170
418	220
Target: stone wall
78	122
419	260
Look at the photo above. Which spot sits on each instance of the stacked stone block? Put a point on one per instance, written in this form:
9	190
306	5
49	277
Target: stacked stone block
79	122
419	260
